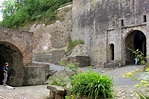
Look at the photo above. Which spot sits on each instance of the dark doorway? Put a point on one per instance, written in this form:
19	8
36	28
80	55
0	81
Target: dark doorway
135	40
11	54
111	51
3	60
5	56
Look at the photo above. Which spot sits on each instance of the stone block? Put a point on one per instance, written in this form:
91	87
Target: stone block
112	64
56	92
35	74
52	57
82	60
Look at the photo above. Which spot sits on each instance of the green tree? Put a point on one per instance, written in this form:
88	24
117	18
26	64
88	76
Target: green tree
16	14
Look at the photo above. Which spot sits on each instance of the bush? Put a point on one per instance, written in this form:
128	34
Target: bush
92	85
59	81
17	14
72	44
139	55
62	78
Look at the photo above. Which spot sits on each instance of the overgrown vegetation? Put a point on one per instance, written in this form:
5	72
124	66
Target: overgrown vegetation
142	96
92	85
72	44
139	55
84	85
17	14
65	79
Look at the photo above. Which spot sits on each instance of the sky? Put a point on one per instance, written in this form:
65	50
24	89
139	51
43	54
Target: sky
0	9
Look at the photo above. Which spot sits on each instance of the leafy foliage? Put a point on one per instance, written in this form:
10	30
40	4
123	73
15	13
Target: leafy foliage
92	85
139	55
62	80
72	66
58	81
16	14
142	96
72	44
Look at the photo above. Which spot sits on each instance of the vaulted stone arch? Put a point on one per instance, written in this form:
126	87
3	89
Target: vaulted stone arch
15	48
134	40
10	53
21	39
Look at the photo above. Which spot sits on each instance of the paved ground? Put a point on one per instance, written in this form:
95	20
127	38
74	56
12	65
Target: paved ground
28	92
124	87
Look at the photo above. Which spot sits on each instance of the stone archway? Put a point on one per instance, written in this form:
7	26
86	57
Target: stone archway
11	54
134	40
16	48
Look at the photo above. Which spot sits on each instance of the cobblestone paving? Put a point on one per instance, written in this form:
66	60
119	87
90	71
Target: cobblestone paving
41	92
124	89
29	92
128	92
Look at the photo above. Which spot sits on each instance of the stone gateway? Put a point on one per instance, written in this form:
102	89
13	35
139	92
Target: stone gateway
16	49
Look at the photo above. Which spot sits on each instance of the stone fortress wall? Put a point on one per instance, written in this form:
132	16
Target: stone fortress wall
108	27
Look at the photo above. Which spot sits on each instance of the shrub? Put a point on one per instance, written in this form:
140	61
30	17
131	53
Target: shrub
72	66
139	55
17	14
58	81
72	44
92	85
63	77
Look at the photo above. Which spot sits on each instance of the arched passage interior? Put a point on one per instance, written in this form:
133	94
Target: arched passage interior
10	53
135	40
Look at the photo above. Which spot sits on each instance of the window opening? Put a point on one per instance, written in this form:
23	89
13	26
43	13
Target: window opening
122	22
144	18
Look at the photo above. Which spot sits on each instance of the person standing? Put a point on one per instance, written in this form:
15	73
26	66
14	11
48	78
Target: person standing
5	73
136	61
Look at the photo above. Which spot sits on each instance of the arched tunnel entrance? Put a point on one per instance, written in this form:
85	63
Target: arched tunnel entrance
135	40
11	54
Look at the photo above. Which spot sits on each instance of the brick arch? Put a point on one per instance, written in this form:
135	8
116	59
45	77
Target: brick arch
15	48
21	39
11	54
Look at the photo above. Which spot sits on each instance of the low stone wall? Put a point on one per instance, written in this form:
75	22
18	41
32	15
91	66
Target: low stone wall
112	64
35	74
83	61
51	57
